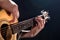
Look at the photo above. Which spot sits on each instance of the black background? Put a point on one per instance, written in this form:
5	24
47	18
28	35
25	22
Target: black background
31	8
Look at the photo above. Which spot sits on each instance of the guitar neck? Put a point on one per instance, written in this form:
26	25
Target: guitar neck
22	25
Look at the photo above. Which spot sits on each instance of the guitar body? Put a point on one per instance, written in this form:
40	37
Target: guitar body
5	19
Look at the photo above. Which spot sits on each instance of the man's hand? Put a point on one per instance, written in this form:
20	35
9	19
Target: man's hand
34	31
11	7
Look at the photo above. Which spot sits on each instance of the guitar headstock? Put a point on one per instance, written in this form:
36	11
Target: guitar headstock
45	14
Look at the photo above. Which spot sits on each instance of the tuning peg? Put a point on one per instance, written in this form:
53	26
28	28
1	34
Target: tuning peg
45	14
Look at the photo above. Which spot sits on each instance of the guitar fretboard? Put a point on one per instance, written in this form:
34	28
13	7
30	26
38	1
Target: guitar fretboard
22	25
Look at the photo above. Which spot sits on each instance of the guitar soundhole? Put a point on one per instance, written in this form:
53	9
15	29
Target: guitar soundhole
4	28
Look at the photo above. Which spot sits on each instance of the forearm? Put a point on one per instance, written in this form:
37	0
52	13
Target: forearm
32	33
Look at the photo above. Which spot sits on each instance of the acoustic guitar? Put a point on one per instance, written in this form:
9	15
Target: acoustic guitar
9	30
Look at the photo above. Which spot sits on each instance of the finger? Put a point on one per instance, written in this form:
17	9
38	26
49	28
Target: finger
16	14
41	19
40	22
15	10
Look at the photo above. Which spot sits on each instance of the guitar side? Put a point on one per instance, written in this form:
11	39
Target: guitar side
5	18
